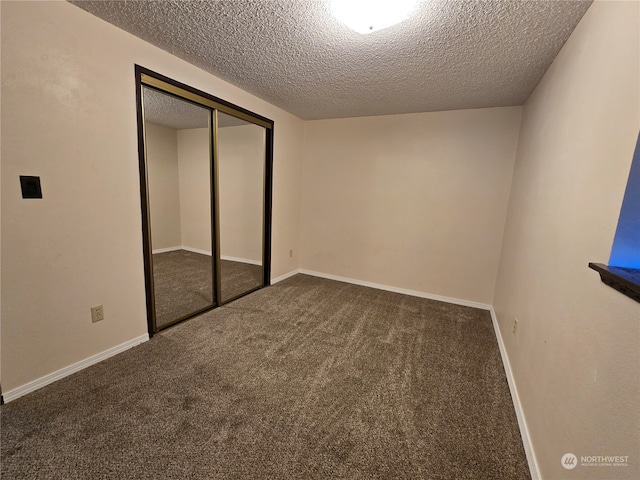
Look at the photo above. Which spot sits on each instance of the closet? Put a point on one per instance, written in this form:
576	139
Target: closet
205	182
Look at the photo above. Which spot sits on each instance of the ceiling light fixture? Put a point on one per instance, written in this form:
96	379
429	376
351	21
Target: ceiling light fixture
366	16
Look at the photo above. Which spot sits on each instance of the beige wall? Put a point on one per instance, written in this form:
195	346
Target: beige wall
195	188
576	353
287	192
241	180
164	191
412	201
68	115
179	189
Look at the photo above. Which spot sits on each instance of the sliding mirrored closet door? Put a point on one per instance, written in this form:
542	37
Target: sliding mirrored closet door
178	158
241	148
205	177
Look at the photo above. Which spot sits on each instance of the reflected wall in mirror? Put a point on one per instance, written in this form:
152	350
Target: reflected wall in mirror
178	153
241	179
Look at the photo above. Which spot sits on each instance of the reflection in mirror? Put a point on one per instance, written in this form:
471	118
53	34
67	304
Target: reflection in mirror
241	160
177	140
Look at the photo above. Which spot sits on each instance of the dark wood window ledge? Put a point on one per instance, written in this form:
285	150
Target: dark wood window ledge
624	280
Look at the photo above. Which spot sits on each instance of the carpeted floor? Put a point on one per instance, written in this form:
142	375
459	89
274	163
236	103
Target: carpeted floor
182	282
307	379
238	277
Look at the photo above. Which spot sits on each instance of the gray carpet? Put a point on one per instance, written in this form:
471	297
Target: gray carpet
238	277
308	379
182	283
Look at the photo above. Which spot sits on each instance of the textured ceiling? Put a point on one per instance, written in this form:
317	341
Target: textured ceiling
450	55
169	111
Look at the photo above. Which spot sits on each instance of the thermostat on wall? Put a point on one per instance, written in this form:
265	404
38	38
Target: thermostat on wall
30	187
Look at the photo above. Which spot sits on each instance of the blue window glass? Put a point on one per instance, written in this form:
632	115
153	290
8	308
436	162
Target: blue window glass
626	244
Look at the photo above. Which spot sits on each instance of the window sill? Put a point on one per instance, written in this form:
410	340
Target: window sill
624	280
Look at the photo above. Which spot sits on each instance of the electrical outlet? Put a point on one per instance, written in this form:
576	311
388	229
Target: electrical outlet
515	325
97	313
290	253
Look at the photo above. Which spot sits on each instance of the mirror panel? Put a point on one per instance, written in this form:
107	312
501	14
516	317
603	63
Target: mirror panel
206	169
241	178
178	153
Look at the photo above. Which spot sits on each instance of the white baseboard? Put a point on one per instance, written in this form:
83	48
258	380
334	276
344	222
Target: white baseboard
76	367
196	250
522	422
181	247
165	250
284	277
241	260
388	288
207	252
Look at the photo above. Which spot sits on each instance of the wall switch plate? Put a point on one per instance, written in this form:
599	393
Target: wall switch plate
30	186
290	253
97	313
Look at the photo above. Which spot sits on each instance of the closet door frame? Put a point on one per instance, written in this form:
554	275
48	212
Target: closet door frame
148	78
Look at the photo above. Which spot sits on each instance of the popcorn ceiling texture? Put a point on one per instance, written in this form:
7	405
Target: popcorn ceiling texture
172	112
293	53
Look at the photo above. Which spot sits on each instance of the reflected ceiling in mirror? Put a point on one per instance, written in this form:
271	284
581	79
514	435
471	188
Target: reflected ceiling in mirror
169	111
